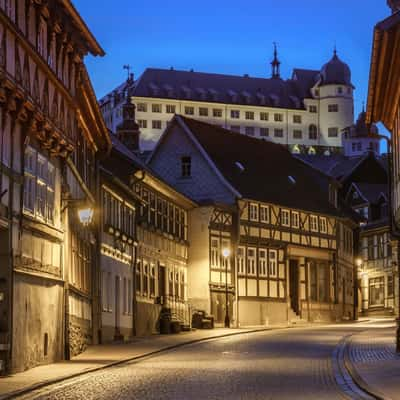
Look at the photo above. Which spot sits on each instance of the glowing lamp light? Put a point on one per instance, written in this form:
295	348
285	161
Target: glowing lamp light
358	262
226	252
85	215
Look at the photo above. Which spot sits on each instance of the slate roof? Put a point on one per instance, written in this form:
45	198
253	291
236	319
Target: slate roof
231	89
336	72
270	173
372	192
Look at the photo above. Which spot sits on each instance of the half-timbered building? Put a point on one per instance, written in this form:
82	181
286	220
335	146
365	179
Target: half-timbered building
269	243
52	134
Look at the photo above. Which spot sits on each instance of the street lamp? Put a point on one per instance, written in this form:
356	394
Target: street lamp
226	253
85	215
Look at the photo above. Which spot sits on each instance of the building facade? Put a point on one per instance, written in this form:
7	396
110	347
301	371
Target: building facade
51	135
287	259
307	113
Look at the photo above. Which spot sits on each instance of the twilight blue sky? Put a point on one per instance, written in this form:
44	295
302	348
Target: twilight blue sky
233	37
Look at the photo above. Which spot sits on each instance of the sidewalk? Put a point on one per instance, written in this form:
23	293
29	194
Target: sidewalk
374	362
102	356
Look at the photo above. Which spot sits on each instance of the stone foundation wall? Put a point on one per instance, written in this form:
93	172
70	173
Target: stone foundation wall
80	335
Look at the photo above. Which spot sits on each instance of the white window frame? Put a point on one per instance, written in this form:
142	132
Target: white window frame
264	214
251	262
313	223
262	262
273	263
253	212
323	225
241	257
285	217
215	249
295	219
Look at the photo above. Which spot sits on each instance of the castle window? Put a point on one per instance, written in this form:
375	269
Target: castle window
189	110
170	109
333	132
156	108
142	107
297	119
297	134
278	117
312	109
186	167
264	116
339	90
333	108
142	123
264	132
156	124
235	114
249	115
312	132
217	113
278	133
203	112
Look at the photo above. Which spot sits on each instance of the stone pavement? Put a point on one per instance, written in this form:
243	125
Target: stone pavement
374	362
102	356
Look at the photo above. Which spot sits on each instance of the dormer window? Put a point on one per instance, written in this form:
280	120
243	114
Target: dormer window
186	167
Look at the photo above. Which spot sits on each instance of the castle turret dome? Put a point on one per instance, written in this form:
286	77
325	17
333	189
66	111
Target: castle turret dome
335	72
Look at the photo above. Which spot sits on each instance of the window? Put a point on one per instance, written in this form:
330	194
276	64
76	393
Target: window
316	92
312	132
142	107
142	123
380	249
264	214
215	253
339	90
203	112
319	282
390	286
249	115
170	109
235	128
240	260
253	212
264	116
189	110
313	223
333	132
285	217
297	119
249	130
278	117
39	185
297	134
278	133
152	280
272	263
264	132
251	261
156	108
145	278
217	113
262	262
333	108
312	109
323	227
156	124
295	219
235	114
186	167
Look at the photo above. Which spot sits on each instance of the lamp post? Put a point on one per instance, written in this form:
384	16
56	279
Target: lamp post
226	254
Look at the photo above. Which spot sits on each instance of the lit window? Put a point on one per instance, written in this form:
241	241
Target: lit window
253	212
186	167
264	214
264	116
249	115
203	112
285	217
333	107
241	260
215	253
297	119
189	110
235	114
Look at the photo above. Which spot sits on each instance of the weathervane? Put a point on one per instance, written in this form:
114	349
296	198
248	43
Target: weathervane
128	68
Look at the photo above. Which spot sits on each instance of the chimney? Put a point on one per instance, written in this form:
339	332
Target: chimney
394	5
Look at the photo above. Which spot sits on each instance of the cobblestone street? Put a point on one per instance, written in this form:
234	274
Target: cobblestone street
281	364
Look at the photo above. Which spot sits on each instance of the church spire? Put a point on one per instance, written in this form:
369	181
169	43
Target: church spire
275	64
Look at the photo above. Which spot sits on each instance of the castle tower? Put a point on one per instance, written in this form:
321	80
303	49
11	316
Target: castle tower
275	64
